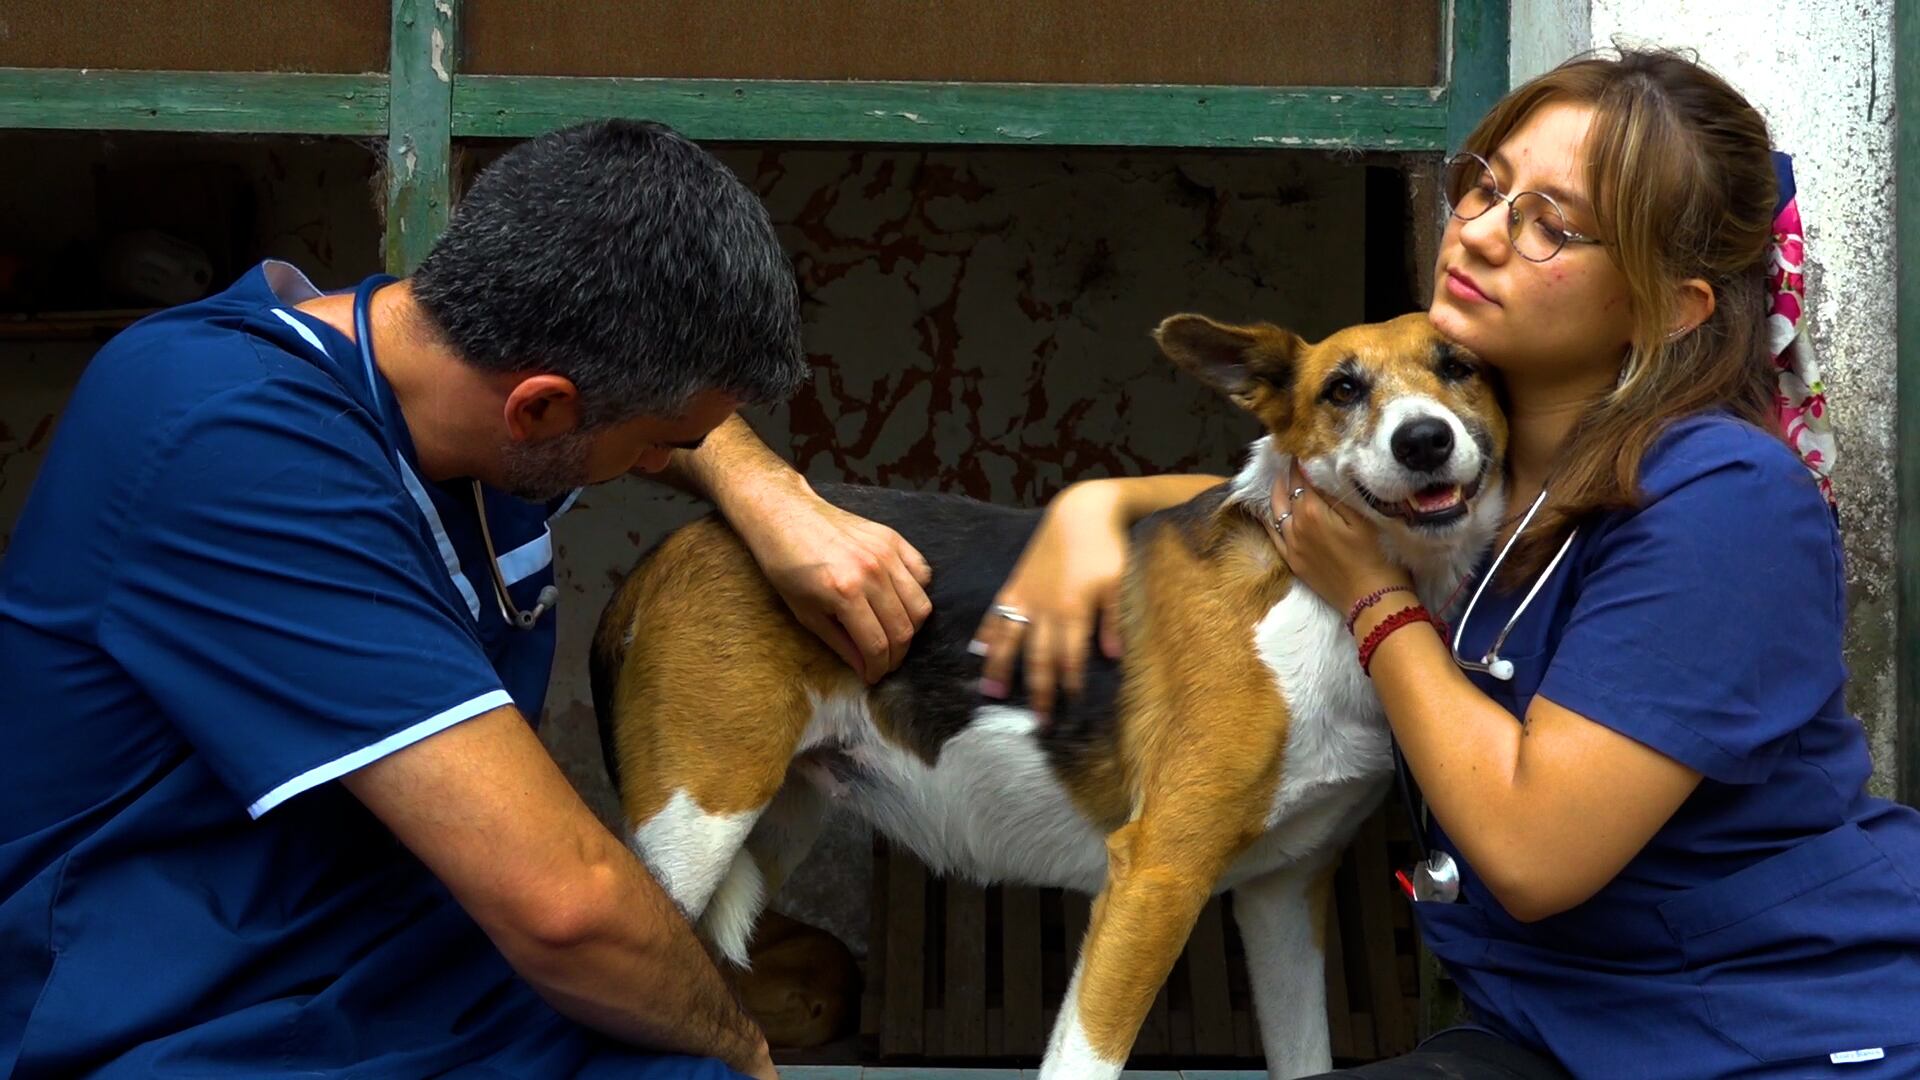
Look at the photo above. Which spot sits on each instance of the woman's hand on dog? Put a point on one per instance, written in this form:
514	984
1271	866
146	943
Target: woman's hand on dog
1333	549
1066	584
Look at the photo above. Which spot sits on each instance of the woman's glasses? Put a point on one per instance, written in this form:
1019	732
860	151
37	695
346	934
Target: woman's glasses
1536	227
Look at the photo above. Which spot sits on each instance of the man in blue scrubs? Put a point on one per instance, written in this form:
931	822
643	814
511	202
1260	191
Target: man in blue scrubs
284	539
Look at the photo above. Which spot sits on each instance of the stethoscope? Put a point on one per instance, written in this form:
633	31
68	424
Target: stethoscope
1436	877
515	617
1490	662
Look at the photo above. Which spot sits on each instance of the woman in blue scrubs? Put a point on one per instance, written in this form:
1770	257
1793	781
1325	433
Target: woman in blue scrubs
1645	775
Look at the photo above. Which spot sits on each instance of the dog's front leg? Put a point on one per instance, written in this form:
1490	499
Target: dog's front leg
1283	922
1157	882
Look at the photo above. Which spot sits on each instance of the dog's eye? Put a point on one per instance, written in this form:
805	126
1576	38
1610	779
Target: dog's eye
1453	369
1342	390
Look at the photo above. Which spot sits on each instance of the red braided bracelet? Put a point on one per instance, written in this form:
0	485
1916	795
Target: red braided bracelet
1367	601
1406	616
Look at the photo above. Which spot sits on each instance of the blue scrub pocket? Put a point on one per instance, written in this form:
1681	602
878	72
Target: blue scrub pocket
1456	933
1808	953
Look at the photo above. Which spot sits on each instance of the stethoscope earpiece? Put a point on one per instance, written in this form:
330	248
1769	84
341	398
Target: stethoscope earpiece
548	597
1501	669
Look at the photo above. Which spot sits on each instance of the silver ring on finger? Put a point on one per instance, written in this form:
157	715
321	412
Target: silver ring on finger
1011	614
1281	521
1296	493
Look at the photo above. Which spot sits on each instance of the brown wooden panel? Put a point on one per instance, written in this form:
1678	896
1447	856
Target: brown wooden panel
1393	1023
879	928
1198	43
903	1023
966	969
1020	970
1339	1008
345	36
1076	911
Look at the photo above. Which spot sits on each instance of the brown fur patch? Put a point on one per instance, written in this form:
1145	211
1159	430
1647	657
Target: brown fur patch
699	605
1201	734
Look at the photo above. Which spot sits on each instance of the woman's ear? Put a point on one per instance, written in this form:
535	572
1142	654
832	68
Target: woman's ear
1693	302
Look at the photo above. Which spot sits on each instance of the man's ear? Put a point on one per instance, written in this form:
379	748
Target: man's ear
542	407
1252	365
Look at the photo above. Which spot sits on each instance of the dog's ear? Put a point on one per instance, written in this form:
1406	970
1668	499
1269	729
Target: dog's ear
1252	365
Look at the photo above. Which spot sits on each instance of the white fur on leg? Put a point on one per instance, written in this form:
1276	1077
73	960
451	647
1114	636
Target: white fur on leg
1069	1055
735	907
1287	965
690	850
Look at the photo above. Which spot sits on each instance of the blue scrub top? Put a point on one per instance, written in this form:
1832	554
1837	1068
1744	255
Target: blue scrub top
1772	927
230	586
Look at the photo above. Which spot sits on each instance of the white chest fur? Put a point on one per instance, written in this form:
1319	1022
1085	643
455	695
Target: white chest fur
1339	755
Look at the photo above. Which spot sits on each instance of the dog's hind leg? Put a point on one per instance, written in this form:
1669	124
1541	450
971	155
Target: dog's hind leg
700	840
704	684
785	833
1283	921
779	841
692	851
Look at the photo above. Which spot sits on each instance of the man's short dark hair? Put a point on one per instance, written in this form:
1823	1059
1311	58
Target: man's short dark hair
622	256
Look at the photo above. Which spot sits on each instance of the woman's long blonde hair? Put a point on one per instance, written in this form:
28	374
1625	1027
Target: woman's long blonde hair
1682	182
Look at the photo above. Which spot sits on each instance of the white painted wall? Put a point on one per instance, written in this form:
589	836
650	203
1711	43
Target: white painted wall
1544	32
1821	71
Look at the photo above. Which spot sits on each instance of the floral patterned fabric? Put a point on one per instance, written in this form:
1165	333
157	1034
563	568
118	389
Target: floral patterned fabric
1799	395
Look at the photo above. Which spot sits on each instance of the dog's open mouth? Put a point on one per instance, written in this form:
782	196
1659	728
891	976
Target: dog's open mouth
1429	507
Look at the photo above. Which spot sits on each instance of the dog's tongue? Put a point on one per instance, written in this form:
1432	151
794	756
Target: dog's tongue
1436	498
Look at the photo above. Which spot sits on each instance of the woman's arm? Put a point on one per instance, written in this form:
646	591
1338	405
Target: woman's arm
1546	811
1067	583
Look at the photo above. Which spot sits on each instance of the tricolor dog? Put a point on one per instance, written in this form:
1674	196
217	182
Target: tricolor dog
1236	745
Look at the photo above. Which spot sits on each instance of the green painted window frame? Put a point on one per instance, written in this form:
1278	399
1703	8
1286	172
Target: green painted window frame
423	102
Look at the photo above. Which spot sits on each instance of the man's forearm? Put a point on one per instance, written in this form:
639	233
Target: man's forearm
645	978
571	908
731	468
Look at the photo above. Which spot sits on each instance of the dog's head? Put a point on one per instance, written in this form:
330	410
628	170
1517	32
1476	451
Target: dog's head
1389	417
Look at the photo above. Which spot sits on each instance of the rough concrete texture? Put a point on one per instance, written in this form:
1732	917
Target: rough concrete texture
1821	71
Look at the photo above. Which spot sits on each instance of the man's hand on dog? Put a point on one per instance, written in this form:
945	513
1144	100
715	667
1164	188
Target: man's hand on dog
857	584
1066	582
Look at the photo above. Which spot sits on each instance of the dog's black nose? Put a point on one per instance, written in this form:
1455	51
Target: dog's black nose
1423	445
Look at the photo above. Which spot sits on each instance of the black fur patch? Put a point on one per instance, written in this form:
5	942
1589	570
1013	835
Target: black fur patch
972	547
